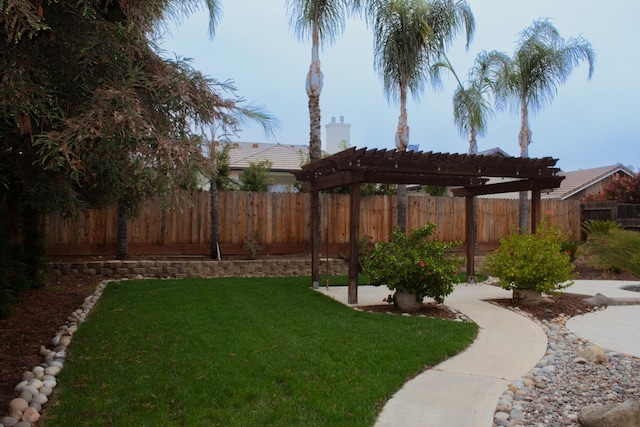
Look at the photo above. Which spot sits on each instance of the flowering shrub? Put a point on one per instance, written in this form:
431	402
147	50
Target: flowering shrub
533	261
413	263
570	248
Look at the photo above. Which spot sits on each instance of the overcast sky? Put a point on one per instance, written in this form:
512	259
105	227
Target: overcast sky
591	123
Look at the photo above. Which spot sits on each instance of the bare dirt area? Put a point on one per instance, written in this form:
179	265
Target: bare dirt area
39	314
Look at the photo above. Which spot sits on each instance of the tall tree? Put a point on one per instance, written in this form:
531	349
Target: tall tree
410	36
471	103
320	21
471	108
542	60
84	122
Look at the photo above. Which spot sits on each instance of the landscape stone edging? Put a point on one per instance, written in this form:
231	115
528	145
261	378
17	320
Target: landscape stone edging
198	268
38	384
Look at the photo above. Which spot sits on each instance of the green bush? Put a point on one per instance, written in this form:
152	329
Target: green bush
615	250
256	177
594	226
533	261
570	248
414	263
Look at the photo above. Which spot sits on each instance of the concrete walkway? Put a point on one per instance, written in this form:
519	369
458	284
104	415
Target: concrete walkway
464	390
618	327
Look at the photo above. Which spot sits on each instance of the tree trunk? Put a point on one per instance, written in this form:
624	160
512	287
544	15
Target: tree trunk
215	230
473	149
122	251
213	193
403	201
402	142
35	250
524	139
314	87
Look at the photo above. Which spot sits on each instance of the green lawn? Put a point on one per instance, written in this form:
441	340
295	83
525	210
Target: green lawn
240	352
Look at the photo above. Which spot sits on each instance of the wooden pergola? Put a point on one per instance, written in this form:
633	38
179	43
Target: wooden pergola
468	173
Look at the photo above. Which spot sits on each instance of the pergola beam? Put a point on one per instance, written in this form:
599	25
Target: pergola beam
509	187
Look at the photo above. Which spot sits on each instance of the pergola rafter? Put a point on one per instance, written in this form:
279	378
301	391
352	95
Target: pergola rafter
470	173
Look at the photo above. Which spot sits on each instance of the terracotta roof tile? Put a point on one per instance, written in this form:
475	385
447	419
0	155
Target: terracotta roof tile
283	157
579	180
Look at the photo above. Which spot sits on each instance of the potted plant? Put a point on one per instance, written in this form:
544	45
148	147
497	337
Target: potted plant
532	264
413	266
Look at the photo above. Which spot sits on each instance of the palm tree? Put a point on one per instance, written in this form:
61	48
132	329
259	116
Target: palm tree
541	61
471	108
321	21
409	37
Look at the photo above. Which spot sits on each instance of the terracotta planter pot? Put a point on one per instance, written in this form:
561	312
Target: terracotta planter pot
407	301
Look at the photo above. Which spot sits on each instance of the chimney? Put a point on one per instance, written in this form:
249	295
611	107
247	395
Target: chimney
338	135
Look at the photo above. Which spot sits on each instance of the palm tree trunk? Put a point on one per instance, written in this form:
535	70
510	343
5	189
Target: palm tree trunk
473	149
314	87
524	138
402	141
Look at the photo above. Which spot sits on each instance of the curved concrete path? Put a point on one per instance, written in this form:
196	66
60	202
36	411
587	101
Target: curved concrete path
615	328
463	391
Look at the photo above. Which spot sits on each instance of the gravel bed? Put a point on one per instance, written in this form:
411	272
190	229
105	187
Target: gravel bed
563	382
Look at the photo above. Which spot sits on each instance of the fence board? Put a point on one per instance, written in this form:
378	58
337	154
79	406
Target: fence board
282	219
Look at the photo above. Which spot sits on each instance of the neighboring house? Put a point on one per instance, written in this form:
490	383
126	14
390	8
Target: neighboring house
584	182
283	158
576	185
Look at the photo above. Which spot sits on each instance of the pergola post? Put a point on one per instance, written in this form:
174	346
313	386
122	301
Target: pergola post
354	238
315	239
469	173
535	209
471	256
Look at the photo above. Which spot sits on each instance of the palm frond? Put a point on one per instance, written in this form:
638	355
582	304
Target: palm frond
327	16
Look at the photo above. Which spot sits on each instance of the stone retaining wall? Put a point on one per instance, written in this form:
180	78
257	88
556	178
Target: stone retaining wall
198	268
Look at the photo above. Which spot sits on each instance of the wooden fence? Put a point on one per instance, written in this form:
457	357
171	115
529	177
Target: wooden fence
280	223
627	214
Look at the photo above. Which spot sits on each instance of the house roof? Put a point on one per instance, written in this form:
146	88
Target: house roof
580	180
283	157
493	152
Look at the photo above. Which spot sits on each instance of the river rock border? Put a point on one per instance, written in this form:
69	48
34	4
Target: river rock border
38	384
573	374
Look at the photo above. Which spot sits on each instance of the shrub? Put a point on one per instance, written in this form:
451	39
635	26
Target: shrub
533	261
254	245
620	188
413	263
570	248
615	250
256	177
593	226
